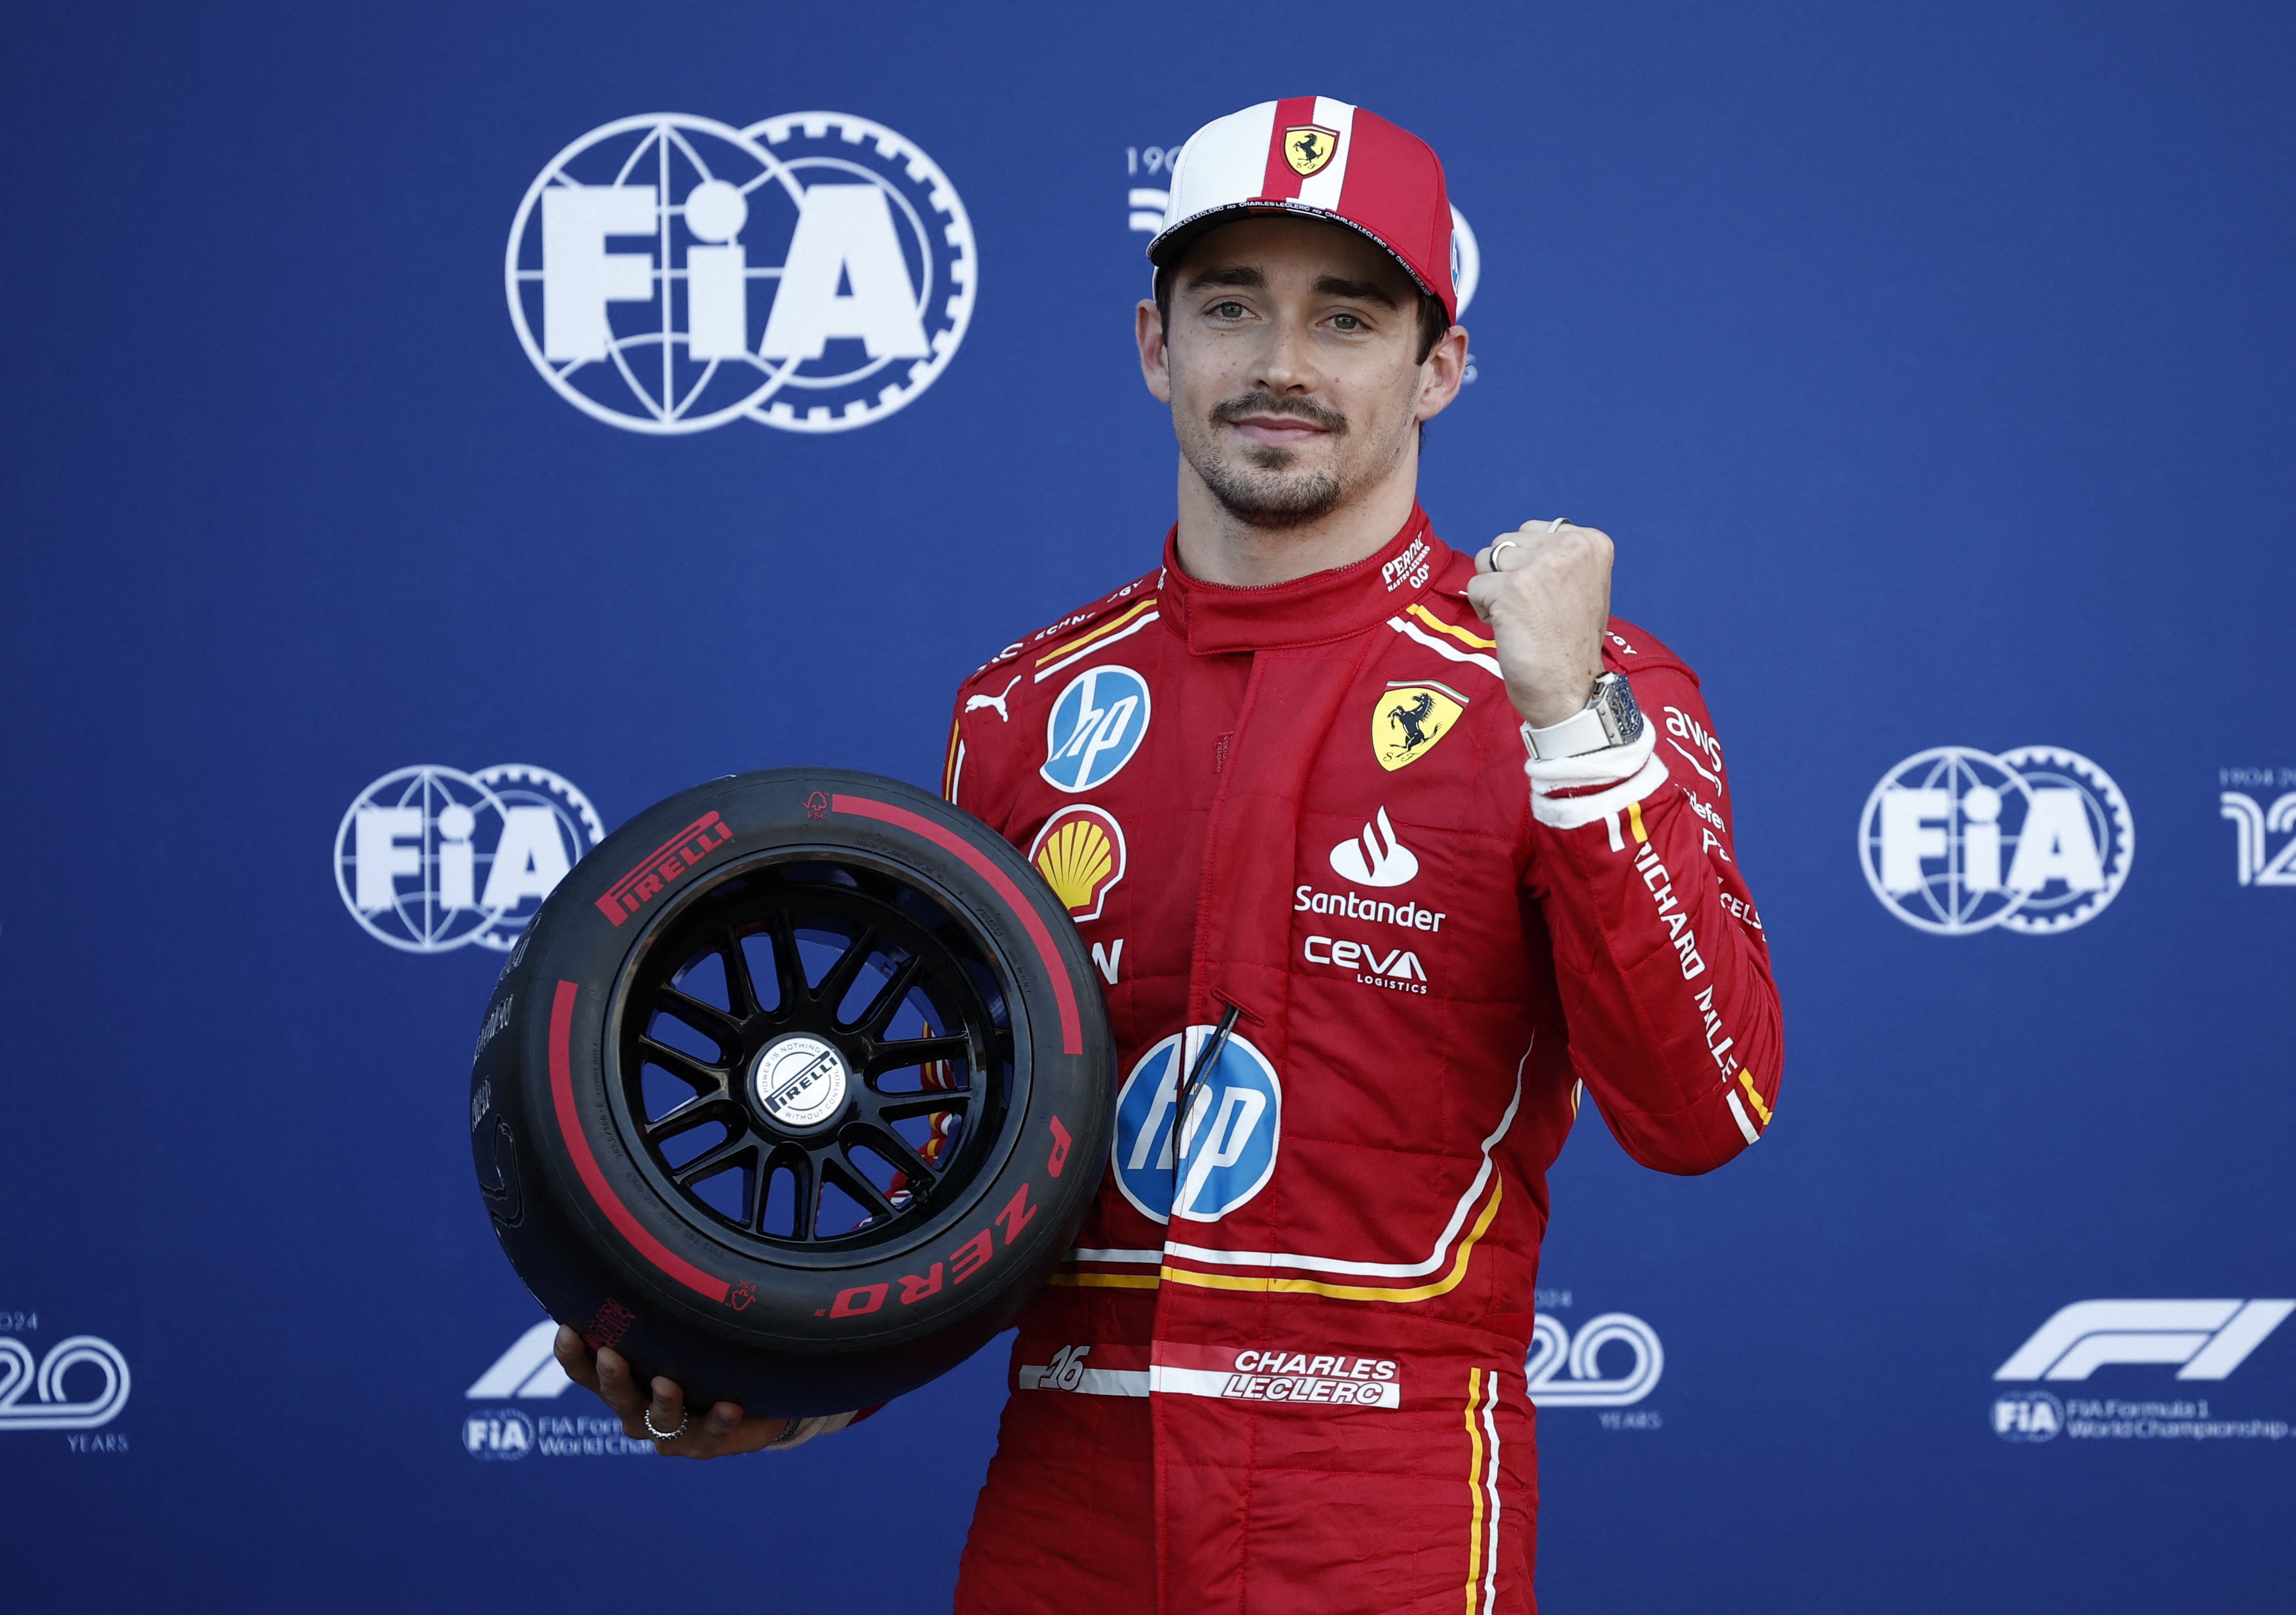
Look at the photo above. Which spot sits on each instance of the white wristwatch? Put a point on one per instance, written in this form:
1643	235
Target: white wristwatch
1609	718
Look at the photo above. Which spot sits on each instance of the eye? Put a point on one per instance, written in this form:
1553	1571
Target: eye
1347	322
1227	311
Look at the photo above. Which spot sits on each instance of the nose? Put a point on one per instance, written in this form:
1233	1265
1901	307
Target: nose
1287	360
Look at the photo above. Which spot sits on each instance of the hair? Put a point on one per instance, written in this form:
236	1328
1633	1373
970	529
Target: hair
1433	319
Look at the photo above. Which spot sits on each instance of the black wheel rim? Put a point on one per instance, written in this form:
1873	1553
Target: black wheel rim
754	976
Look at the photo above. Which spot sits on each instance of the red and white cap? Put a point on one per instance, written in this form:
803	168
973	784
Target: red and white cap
1325	158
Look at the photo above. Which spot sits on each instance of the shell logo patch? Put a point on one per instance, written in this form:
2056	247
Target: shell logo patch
1409	718
1080	854
1309	148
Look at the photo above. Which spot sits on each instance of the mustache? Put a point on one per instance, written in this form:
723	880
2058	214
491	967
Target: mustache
1268	403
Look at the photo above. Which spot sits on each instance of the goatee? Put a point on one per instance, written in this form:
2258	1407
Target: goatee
1256	491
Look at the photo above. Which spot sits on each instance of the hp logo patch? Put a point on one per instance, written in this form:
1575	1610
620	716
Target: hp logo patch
1096	725
2027	1415
667	273
1224	1153
2037	839
429	858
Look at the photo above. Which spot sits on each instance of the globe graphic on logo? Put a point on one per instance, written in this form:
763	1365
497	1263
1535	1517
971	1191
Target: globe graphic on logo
399	895
669	274
1973	784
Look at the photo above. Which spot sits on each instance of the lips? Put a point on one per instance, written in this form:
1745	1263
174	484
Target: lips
1279	432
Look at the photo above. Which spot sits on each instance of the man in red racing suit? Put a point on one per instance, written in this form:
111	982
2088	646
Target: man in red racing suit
1362	971
1283	1370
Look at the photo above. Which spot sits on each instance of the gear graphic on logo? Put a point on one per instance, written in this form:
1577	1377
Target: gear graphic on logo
2046	767
518	784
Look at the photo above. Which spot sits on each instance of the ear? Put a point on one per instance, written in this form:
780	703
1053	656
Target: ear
1155	356
1442	375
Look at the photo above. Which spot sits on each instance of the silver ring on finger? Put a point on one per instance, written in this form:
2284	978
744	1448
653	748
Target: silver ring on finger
1558	524
1504	544
666	1435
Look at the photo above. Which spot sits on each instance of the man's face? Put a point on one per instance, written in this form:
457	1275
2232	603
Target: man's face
1290	361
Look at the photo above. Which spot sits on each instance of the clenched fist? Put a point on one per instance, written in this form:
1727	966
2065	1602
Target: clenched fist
1544	589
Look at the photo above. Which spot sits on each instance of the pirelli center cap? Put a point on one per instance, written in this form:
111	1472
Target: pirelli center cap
1325	158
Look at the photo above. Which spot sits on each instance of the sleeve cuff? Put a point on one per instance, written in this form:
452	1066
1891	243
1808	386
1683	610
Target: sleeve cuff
1566	792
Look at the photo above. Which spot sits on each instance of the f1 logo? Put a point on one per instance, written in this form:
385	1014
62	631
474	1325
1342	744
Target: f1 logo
2209	1338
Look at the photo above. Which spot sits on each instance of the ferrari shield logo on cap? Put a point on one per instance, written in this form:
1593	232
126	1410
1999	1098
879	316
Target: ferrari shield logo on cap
1409	718
1309	148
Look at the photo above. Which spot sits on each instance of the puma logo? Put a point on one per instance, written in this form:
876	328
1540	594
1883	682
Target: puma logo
973	704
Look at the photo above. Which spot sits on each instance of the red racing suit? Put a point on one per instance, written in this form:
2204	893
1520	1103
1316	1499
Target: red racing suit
1283	1369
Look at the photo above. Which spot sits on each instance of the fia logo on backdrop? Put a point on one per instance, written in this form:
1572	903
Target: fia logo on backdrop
2036	839
429	858
814	272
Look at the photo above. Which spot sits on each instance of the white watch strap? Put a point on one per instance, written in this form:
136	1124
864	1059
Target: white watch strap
1580	732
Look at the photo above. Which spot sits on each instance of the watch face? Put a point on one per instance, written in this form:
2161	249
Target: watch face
1623	718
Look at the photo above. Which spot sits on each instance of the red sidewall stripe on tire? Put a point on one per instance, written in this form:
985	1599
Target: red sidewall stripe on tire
577	1146
1063	989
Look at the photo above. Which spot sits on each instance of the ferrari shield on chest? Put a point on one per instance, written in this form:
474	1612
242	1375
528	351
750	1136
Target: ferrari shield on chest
1201	1166
1097	724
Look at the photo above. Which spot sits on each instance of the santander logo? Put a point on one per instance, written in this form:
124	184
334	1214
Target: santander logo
1376	857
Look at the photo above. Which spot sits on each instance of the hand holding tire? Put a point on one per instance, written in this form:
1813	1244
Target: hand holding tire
720	1433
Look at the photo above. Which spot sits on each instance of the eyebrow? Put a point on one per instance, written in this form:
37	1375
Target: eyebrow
1329	286
1369	291
1237	274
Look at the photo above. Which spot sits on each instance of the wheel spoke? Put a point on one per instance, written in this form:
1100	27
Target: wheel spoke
702	1166
918	1051
895	1149
789	976
888	1002
901	1107
706	1019
686	1067
808	1197
685	1118
840	979
839	1168
740	991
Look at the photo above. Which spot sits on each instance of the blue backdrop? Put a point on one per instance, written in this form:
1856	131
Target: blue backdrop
1931	364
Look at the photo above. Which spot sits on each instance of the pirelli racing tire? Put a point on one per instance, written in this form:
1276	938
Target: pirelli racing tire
795	1091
